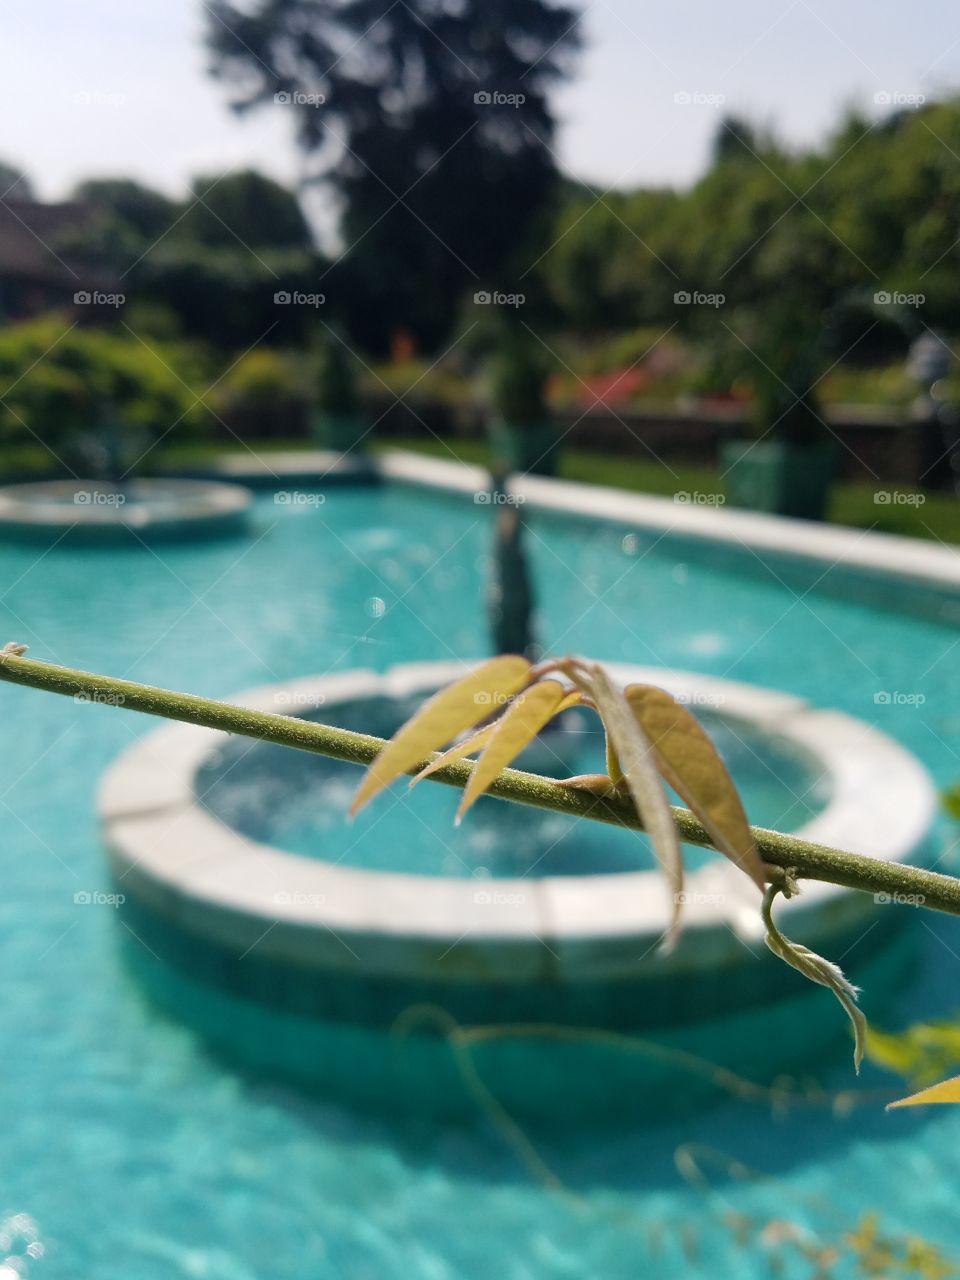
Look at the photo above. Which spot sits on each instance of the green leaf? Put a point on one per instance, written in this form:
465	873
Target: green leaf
447	714
692	765
637	760
517	727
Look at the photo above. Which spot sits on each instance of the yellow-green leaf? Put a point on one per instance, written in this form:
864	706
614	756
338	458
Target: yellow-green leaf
478	740
572	698
692	765
614	772
922	1053
516	729
945	1091
637	759
446	714
467	747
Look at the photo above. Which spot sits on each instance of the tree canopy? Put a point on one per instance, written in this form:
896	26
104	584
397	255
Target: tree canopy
431	123
858	236
246	209
14	183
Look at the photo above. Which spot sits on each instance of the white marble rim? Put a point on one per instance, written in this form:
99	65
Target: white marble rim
171	852
45	503
931	563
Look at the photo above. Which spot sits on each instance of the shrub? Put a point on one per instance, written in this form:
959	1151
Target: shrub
418	380
62	384
266	393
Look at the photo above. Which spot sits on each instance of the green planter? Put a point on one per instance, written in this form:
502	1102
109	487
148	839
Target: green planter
340	431
784	479
532	447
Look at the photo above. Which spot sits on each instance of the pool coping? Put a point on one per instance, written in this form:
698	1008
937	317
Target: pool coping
201	503
891	555
180	860
306	466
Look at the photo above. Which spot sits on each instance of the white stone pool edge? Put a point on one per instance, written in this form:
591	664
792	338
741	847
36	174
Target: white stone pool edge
892	555
62	506
181	861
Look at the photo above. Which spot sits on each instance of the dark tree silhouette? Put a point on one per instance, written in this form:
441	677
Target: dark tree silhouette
245	208
144	212
14	183
737	139
430	120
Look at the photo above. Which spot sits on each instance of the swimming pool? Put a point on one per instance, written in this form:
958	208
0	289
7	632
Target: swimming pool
139	1155
298	805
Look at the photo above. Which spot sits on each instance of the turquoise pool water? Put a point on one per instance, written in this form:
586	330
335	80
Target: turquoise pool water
139	1156
299	805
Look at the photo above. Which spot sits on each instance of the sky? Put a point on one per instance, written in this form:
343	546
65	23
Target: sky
118	87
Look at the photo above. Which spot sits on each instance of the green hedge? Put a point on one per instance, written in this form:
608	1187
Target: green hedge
59	384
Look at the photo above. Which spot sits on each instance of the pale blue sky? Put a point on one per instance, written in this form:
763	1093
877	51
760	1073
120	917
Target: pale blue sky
151	112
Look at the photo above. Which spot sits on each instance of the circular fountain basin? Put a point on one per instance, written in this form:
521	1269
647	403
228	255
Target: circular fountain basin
238	923
146	509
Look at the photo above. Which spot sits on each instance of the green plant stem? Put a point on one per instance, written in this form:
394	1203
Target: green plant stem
781	852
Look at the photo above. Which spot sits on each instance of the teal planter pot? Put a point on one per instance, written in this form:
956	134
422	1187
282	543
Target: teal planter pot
341	432
532	447
777	477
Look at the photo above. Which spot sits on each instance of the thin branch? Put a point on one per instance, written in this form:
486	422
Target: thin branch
781	852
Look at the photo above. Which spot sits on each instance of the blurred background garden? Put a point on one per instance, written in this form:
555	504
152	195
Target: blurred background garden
791	295
347	342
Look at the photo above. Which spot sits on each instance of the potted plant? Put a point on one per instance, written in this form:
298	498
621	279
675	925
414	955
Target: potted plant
788	467
521	434
338	423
